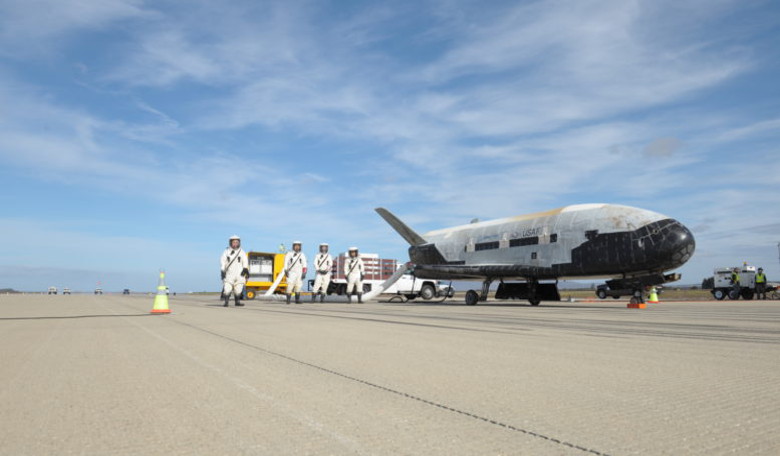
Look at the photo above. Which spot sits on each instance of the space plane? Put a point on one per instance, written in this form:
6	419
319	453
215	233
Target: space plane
631	248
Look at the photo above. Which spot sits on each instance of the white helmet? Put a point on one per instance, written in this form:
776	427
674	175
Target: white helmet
297	242
234	238
324	244
353	248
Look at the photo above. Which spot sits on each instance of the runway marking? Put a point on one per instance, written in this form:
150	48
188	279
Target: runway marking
400	393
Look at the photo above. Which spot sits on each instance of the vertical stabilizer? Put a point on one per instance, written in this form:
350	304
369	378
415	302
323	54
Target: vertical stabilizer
407	233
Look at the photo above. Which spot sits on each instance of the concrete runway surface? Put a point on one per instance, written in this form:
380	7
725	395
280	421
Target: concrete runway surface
86	374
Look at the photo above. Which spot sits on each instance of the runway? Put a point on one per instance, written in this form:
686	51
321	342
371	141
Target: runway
100	375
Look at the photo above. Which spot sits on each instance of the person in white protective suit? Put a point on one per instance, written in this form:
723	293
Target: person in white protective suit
235	269
355	271
323	263
295	267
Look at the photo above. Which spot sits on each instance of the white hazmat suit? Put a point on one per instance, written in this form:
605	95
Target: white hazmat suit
294	266
233	263
323	263
354	270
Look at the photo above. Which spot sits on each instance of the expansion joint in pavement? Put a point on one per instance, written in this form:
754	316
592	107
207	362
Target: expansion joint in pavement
400	393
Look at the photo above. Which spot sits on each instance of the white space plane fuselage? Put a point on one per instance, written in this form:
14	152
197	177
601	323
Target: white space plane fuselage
627	244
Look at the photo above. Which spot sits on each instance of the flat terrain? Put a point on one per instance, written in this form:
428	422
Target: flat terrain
92	374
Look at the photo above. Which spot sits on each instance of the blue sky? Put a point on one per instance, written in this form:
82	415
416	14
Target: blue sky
137	135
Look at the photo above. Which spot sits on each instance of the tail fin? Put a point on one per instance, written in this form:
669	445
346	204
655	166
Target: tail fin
407	233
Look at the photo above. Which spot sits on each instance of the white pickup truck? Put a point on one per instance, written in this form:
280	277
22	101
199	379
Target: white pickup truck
407	286
411	287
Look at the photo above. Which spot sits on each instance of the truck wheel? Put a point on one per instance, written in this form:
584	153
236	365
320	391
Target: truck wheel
733	295
427	292
719	294
747	294
601	294
250	294
534	301
472	297
615	297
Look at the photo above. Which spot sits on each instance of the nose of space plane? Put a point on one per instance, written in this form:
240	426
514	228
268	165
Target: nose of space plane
681	243
667	244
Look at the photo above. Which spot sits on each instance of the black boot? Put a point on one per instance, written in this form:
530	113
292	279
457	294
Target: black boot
289	296
238	303
349	298
322	297
360	298
227	298
313	297
297	298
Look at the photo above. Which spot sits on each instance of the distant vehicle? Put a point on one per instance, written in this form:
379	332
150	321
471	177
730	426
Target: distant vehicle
723	287
603	290
617	289
411	287
773	290
126	291
98	291
52	290
66	291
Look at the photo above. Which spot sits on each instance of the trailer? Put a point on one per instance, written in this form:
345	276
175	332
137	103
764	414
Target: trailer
264	268
723	286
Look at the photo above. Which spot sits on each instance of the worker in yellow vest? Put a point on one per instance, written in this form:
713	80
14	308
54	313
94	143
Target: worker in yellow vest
736	288
760	284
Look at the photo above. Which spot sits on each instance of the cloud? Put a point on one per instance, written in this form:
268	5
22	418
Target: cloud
662	147
760	128
35	26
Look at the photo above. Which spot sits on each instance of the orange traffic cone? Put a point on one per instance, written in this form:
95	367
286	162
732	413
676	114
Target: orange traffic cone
161	298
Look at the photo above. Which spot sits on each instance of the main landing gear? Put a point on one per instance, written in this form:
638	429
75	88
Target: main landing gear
472	297
530	290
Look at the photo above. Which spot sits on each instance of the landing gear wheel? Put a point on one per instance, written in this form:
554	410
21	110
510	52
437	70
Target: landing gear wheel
427	292
472	297
534	301
720	295
601	294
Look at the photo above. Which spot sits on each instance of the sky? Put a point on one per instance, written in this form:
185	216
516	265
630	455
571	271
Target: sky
138	135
